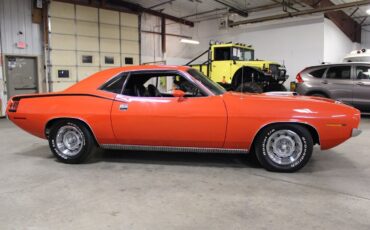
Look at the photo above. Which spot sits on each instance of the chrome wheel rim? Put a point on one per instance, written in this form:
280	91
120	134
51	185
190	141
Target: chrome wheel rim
284	147
69	140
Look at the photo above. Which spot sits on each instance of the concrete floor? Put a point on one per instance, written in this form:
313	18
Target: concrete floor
136	190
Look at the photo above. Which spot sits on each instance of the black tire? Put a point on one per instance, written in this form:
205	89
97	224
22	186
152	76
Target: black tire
84	141
249	87
269	157
275	87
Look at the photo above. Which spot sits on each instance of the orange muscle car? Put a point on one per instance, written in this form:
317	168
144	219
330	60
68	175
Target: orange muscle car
177	108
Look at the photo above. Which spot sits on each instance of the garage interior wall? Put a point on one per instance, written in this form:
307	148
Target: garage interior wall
296	42
365	37
16	26
84	40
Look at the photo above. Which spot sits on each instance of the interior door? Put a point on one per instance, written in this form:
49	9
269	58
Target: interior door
361	92
169	121
21	75
339	82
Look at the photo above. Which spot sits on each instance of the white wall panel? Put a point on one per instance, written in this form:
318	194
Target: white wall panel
109	31
87	43
87	28
62	10
131	20
129	33
131	47
109	16
64	42
63	57
84	72
86	13
109	45
61	25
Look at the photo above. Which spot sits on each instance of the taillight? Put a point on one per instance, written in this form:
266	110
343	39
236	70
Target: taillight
13	106
299	78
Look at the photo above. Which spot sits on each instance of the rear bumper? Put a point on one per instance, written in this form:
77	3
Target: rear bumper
356	132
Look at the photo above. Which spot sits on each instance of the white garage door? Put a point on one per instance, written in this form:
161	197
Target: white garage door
84	40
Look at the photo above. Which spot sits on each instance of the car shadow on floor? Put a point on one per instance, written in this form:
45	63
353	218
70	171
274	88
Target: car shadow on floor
177	158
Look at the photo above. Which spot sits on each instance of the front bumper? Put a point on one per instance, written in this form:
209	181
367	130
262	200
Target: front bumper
356	132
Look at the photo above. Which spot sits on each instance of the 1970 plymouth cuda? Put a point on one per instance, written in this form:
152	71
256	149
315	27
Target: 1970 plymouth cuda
177	108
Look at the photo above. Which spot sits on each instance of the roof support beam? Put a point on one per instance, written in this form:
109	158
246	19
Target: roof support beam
233	8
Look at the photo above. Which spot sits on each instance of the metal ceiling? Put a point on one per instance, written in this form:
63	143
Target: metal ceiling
198	10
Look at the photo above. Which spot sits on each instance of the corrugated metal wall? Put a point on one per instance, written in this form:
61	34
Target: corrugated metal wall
16	17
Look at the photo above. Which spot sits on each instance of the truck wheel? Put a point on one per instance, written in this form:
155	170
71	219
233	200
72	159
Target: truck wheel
275	87
71	142
283	147
249	87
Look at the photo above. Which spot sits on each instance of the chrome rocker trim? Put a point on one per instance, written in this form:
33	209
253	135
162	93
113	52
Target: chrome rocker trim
356	132
171	149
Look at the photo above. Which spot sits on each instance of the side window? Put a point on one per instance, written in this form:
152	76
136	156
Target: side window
114	85
363	72
339	72
159	85
222	53
318	73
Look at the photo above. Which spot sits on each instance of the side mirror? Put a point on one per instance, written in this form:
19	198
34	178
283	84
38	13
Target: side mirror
178	93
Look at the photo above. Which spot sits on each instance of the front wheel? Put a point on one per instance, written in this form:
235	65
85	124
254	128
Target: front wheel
284	147
249	87
71	141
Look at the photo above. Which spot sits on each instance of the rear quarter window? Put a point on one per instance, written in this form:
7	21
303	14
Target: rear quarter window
319	73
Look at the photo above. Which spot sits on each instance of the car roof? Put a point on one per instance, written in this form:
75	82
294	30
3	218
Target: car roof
339	63
94	81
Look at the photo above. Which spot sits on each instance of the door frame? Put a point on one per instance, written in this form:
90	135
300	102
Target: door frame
5	71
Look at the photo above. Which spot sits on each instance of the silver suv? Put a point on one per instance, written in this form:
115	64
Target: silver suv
346	82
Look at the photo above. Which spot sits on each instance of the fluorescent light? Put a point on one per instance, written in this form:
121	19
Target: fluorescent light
368	11
183	40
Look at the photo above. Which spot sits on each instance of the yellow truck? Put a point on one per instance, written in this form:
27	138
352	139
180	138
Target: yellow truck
233	66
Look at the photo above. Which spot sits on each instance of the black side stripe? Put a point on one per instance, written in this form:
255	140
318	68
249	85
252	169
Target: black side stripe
60	95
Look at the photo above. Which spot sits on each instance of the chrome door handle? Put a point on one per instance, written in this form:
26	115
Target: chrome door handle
360	83
324	82
123	107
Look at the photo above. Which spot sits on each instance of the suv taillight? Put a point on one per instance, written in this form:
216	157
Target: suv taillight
299	78
13	106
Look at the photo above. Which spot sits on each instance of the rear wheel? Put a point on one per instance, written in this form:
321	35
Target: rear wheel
71	141
284	147
249	87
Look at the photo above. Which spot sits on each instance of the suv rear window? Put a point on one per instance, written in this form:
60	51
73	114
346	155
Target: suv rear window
318	73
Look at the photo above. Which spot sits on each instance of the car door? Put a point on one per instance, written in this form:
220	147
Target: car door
190	121
339	83
361	91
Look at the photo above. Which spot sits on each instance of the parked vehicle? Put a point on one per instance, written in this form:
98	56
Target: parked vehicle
345	82
234	66
167	108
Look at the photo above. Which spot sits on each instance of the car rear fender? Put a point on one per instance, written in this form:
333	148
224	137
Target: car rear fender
53	121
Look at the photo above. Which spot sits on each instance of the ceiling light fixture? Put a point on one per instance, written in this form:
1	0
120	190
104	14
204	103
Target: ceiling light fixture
190	41
368	11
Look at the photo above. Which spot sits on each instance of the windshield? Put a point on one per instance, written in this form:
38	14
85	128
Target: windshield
241	54
212	86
